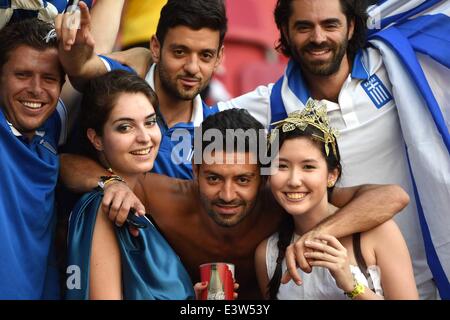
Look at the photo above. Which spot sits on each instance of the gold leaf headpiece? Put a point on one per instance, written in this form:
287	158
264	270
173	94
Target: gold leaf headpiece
314	114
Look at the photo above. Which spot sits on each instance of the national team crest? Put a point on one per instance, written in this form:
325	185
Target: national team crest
376	91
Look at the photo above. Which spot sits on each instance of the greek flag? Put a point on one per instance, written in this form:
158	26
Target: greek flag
414	39
376	91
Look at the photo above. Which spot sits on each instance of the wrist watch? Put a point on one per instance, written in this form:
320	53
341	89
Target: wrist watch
357	290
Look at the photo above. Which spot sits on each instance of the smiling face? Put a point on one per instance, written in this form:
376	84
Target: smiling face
131	136
228	191
300	184
30	86
318	35
186	61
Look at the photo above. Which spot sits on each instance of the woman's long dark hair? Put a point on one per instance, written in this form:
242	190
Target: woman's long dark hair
286	227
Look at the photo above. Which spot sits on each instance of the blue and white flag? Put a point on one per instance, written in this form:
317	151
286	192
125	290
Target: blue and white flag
414	41
413	37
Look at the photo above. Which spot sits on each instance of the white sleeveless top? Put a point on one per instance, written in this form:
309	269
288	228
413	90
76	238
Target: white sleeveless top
319	284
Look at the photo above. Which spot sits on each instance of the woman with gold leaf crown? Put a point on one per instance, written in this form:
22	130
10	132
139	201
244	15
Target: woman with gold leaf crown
371	265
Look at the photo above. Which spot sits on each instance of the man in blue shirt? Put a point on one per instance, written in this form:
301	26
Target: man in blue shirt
33	122
30	129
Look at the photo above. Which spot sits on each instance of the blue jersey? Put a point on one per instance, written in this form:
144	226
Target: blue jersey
176	149
29	175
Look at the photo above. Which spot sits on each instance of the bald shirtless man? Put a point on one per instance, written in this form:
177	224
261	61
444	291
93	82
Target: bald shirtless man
226	211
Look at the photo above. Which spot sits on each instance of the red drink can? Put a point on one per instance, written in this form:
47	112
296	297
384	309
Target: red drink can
220	277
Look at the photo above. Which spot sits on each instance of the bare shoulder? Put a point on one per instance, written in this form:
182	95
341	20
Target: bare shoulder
166	197
102	224
261	267
384	229
153	186
392	256
260	253
384	235
104	235
105	267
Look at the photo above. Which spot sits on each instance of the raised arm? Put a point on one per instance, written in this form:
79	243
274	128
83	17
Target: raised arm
76	48
106	16
81	174
361	208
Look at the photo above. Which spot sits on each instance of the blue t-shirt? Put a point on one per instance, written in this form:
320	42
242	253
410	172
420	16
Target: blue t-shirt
29	175
177	148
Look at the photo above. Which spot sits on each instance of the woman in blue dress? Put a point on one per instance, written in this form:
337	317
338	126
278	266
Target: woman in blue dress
120	131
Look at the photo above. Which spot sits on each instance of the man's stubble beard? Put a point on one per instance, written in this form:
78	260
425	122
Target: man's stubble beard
172	89
207	206
328	68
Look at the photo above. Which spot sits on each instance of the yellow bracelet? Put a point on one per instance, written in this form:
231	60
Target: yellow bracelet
357	290
104	180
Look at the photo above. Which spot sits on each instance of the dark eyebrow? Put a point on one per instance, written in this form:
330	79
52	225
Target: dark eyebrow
309	160
303	161
185	48
310	24
206	172
132	120
123	119
331	21
247	174
303	23
178	46
212	51
29	71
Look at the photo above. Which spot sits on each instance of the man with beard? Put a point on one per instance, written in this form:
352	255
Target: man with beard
187	48
325	41
226	211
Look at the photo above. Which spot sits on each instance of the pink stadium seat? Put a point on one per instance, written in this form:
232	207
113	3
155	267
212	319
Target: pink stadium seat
251	37
260	73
